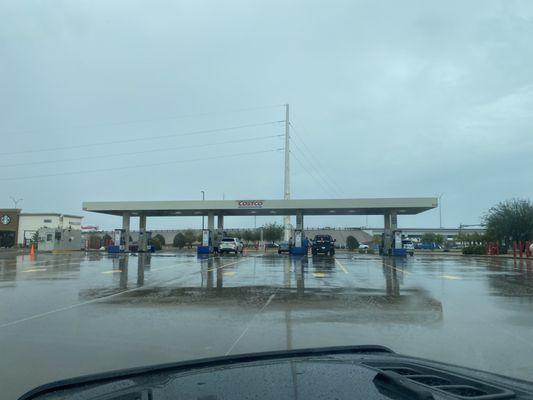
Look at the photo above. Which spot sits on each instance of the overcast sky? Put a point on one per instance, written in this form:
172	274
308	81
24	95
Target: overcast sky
387	99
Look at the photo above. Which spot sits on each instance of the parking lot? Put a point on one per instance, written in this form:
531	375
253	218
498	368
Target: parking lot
71	314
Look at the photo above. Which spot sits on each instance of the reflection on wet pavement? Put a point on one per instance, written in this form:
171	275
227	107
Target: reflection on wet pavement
72	314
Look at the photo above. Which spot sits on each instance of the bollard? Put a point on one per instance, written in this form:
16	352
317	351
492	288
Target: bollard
521	249
528	249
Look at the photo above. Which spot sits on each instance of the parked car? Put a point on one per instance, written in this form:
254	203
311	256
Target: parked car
284	247
323	244
409	246
230	245
363	247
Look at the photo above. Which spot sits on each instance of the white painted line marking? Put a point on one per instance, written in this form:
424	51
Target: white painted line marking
251	322
342	266
451	277
44	314
397	269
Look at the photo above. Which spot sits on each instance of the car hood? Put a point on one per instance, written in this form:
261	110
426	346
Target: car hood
355	372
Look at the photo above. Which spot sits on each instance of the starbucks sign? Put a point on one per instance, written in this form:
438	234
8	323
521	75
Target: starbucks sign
5	219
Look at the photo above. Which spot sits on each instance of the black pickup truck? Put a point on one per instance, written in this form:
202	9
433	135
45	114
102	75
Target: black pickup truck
323	244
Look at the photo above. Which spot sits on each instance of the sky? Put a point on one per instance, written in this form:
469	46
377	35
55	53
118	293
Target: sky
159	100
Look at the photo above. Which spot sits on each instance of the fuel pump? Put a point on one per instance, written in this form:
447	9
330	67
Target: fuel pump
206	245
144	238
391	245
297	247
397	245
119	241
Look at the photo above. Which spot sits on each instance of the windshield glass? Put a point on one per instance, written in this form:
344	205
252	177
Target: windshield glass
372	158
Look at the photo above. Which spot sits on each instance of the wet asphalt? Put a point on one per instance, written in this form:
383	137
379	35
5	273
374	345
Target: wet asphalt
72	314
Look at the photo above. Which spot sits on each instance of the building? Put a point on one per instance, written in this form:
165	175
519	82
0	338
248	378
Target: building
417	233
390	208
59	239
9	223
17	228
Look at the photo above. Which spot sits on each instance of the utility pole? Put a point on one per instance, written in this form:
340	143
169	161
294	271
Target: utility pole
287	189
203	198
440	210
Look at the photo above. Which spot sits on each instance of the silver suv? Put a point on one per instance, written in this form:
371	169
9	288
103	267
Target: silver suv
230	245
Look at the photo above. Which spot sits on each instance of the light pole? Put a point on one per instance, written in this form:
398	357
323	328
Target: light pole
203	198
440	210
15	201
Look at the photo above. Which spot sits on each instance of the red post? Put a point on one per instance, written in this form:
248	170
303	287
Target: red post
521	249
528	250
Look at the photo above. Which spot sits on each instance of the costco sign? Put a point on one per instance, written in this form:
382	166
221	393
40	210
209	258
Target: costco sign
250	203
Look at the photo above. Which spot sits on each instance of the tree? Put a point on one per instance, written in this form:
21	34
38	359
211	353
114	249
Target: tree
256	235
510	220
247	235
272	232
428	238
155	243
179	240
190	237
352	243
35	238
160	239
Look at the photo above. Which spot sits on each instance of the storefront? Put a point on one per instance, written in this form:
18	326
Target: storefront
9	223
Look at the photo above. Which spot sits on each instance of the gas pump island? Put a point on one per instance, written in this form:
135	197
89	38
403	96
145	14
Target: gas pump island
390	208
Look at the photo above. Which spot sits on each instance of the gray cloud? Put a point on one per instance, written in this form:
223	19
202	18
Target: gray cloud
393	99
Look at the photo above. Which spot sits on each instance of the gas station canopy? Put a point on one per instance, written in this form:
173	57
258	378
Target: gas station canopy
376	206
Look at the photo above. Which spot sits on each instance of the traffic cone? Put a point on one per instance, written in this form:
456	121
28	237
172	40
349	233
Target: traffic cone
32	250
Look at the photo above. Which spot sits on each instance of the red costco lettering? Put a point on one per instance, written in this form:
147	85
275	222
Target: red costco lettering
250	203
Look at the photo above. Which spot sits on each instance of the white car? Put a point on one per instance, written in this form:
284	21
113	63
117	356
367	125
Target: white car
408	244
230	245
363	247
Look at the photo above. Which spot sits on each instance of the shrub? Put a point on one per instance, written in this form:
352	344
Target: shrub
156	243
160	239
366	251
474	249
351	243
179	240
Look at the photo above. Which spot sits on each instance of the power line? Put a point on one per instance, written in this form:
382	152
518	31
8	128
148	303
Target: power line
338	188
315	160
332	189
199	132
55	161
128	122
310	174
137	166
